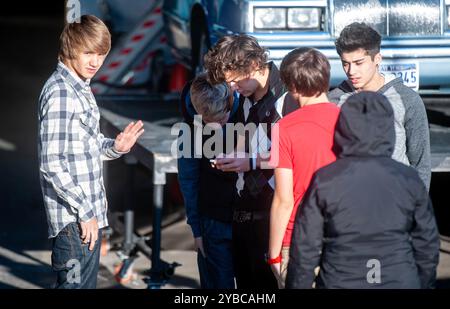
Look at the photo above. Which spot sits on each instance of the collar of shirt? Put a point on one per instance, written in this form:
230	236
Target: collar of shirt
72	78
263	105
81	87
276	87
388	78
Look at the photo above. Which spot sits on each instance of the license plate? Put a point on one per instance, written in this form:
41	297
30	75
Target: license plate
407	71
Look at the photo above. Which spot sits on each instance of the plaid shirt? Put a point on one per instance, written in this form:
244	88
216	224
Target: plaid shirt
71	149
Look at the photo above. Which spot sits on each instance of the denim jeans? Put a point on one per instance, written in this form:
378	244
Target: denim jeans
76	267
216	270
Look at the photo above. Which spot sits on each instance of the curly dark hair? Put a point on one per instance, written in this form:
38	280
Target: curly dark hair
306	71
356	36
239	53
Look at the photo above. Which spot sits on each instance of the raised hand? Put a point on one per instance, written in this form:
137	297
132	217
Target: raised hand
126	139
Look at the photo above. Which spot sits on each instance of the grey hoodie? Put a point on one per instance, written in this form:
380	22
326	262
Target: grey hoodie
412	135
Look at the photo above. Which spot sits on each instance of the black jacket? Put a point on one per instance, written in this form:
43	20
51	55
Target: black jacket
365	214
207	191
257	193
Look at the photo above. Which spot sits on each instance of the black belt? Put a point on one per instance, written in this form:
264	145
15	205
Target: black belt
241	216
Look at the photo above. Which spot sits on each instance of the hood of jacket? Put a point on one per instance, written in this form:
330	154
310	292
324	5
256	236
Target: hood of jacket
365	127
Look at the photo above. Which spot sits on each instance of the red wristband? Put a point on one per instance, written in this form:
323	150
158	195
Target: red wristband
274	261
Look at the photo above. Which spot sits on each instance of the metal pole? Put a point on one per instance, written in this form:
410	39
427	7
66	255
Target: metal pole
157	216
129	205
129	230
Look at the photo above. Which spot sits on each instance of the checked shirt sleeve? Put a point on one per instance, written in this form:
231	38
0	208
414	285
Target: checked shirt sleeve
108	151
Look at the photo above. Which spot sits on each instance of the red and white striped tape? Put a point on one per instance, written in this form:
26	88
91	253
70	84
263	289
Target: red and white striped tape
135	53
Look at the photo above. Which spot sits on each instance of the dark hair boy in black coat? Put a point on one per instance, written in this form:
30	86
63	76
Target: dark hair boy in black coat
366	219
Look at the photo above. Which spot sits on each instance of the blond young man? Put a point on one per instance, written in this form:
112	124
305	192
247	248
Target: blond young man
209	193
71	150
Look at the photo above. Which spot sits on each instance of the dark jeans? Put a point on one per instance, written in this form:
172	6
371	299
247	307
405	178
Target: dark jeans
216	270
75	265
250	245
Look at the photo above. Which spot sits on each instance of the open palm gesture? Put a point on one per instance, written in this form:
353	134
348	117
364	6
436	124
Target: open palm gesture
126	139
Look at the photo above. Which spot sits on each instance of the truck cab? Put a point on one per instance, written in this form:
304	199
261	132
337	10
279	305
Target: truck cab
415	45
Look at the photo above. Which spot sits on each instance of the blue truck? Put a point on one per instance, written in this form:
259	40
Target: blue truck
416	33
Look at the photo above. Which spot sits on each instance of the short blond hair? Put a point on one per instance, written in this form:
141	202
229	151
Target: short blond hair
212	101
90	34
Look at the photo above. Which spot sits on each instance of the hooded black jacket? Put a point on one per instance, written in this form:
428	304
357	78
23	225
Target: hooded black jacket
366	219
